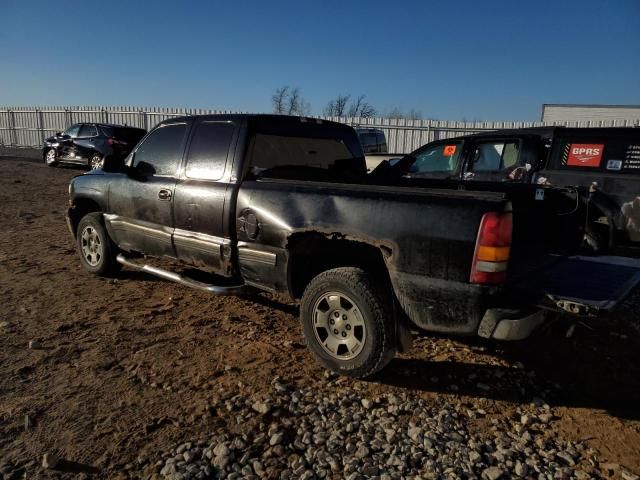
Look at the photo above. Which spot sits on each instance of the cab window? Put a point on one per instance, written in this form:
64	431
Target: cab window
441	158
88	131
160	152
209	148
495	160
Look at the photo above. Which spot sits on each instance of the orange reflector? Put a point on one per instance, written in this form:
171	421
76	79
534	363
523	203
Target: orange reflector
493	254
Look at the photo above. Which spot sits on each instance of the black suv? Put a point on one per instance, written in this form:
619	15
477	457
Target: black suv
90	143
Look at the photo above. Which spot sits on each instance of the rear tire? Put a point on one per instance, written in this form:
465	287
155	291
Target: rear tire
96	249
347	322
51	157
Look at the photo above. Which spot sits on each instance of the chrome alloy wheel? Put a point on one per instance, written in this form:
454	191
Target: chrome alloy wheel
92	248
96	162
51	156
339	326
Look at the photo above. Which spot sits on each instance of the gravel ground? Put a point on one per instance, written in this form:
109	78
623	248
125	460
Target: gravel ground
338	433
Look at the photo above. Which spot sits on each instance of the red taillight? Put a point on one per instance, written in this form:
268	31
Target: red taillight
493	248
113	141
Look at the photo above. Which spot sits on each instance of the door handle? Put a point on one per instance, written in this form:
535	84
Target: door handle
164	194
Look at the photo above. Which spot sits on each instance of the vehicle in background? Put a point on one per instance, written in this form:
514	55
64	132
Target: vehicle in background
374	146
284	204
602	165
90	143
373	140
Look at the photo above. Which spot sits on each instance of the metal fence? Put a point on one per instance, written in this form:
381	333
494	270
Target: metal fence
29	126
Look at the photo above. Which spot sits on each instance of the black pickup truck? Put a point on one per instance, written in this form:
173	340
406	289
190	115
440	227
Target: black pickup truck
284	204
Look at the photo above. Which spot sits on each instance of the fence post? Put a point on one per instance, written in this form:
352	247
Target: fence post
12	126
105	115
41	124
69	117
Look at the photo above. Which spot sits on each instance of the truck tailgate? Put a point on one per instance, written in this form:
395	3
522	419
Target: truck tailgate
589	285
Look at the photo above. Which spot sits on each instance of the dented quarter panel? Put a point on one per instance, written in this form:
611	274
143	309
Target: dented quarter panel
428	236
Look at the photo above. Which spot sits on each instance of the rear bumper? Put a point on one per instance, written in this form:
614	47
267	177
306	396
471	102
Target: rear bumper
505	324
445	306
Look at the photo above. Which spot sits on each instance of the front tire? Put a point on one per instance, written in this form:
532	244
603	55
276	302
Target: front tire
97	250
96	161
347	322
51	157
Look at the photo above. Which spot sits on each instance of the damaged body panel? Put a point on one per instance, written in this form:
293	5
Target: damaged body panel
427	258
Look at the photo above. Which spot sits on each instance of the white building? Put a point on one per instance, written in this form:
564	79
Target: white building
628	115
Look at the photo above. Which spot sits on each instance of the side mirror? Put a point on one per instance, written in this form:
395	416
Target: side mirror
64	136
58	134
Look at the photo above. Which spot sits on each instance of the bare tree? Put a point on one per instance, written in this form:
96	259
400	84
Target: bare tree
279	99
414	114
289	101
361	108
293	102
397	112
337	107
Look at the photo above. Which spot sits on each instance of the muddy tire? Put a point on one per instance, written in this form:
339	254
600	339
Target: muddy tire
51	157
347	321
96	249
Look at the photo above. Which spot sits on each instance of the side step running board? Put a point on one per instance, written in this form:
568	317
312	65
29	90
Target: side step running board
174	277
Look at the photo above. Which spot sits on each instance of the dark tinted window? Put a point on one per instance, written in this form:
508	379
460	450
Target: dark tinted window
382	142
306	150
88	131
208	151
126	134
161	151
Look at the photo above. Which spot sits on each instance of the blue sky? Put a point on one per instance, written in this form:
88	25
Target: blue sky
474	60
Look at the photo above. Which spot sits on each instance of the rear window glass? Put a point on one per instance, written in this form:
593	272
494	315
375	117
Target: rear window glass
611	155
303	151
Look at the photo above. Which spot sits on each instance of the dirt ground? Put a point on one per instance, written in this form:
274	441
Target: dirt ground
124	369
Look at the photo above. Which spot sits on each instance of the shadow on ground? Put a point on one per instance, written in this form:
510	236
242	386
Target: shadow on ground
592	369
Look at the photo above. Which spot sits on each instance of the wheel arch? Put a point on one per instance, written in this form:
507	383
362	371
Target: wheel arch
81	206
311	253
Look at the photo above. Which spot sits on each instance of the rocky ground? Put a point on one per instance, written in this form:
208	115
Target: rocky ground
139	378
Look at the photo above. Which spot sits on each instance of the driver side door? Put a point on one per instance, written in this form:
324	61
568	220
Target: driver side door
140	215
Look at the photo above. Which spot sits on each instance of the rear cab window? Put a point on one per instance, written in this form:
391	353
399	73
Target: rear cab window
305	150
